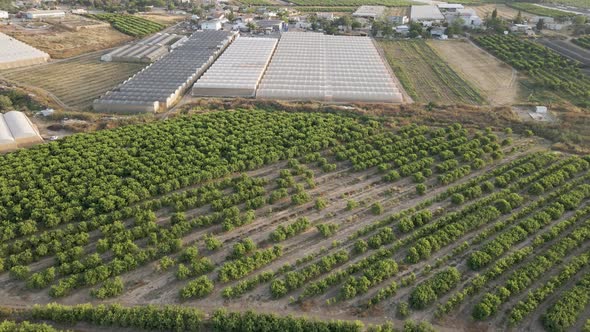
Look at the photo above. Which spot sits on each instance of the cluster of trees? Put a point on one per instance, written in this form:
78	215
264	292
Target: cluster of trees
383	293
549	69
284	232
199	287
243	286
455	225
563	314
428	291
243	248
537	296
238	268
371	276
110	288
454	174
296	279
384	236
524	276
327	229
25	326
150	317
522	230
418	219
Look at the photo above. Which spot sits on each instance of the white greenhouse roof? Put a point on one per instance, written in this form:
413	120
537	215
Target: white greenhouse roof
17	130
162	83
238	70
313	66
425	13
369	11
147	50
14	53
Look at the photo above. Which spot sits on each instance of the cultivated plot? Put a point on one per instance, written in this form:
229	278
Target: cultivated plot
328	215
425	76
496	80
75	82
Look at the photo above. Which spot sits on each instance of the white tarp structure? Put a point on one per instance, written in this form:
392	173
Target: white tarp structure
161	84
146	50
16	130
14	53
238	70
369	11
314	66
425	13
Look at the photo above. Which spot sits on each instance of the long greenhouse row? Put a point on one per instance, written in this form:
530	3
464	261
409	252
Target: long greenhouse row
309	66
298	66
160	85
238	70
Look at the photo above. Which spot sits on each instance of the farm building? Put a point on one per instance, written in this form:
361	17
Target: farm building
313	66
369	11
468	16
426	14
271	25
37	14
398	19
238	70
147	50
211	25
3	14
14	53
450	7
162	83
16	130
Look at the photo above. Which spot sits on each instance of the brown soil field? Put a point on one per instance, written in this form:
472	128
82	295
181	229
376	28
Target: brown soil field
503	11
61	43
163	19
495	79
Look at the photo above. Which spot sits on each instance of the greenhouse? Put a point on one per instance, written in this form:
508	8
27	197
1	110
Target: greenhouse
238	70
16	130
313	66
161	84
14	53
147	50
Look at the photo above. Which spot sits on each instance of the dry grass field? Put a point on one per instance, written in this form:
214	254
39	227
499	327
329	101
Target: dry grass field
75	82
496	80
60	42
503	11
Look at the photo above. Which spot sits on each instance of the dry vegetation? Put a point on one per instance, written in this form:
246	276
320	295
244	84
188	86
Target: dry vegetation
497	81
60	42
504	11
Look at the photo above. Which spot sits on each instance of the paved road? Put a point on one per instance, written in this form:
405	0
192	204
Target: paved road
568	49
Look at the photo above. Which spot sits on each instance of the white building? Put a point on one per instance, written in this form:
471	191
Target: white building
398	20
211	25
426	15
369	12
31	15
3	14
450	7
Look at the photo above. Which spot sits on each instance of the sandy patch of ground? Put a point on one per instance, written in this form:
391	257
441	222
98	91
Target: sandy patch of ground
493	77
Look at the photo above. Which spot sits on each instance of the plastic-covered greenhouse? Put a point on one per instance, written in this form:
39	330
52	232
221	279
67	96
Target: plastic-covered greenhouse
14	53
238	70
16	130
313	66
161	84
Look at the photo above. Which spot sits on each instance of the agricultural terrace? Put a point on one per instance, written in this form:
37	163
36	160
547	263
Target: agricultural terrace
355	3
128	24
548	69
541	11
319	212
503	11
582	42
75	82
425	76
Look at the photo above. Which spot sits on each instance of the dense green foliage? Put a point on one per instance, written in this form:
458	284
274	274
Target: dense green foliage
128	24
549	69
563	314
430	290
9	326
